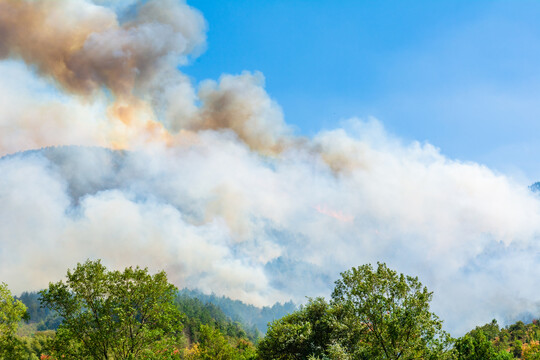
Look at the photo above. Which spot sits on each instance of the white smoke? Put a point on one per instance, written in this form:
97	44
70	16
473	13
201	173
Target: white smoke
226	199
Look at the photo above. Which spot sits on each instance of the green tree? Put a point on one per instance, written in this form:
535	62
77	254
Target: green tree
11	313
517	348
213	345
373	314
389	314
476	346
304	333
491	330
112	314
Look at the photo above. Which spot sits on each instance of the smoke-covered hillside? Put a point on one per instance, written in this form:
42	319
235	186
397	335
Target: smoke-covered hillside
141	165
184	211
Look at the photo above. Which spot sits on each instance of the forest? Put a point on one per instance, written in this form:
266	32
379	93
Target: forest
373	313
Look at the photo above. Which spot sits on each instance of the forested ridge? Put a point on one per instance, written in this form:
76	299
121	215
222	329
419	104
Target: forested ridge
373	313
253	317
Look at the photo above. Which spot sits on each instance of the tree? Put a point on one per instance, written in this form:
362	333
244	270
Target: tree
372	315
476	346
490	330
304	333
112	314
213	345
390	313
531	351
517	348
11	313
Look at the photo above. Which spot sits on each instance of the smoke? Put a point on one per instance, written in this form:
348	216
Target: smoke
240	103
84	48
214	187
32	115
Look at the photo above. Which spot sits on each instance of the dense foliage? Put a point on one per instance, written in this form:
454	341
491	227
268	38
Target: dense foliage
198	313
11	313
112	314
255	318
518	340
122	315
476	346
310	331
373	314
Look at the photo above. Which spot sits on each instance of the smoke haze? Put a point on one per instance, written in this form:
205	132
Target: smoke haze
135	165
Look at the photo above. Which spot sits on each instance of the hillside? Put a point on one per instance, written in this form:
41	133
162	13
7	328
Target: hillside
198	312
253	317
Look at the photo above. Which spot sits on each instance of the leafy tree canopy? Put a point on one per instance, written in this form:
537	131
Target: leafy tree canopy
476	346
112	314
11	313
373	314
303	333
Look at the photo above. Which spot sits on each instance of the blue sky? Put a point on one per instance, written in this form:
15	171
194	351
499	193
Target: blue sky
462	75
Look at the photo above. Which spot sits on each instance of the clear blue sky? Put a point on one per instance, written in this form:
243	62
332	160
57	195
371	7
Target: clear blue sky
462	75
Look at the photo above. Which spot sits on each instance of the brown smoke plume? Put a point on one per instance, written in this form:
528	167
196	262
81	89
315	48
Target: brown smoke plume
83	47
240	103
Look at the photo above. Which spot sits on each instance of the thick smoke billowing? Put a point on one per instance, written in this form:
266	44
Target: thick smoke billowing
84	47
213	186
